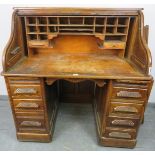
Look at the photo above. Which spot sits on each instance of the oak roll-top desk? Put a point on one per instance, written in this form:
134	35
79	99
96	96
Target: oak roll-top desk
78	55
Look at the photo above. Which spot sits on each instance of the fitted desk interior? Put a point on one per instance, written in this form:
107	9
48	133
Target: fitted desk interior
98	56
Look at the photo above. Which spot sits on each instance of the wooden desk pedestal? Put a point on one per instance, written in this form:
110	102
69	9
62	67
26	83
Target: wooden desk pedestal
118	105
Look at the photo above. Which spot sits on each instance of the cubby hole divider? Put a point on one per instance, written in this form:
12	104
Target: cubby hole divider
109	27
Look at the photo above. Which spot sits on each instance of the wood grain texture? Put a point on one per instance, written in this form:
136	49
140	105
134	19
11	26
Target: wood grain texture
78	55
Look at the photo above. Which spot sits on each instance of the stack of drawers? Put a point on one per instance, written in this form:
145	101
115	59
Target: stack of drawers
28	105
125	112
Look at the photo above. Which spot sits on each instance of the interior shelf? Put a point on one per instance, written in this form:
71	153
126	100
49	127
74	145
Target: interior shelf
41	27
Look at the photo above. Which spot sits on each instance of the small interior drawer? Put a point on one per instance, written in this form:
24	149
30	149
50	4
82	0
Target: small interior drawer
114	45
25	91
120	133
127	108
38	43
129	93
123	122
28	104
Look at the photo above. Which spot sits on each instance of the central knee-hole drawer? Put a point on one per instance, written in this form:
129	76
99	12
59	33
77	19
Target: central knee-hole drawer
25	91
28	104
122	122
129	93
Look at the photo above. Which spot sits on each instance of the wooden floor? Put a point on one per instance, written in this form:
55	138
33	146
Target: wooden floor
75	130
75	65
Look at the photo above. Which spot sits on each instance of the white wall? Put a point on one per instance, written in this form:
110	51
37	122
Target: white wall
5	28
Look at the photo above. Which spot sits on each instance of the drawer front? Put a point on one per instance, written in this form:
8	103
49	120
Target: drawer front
120	133
41	43
25	91
129	93
126	108
122	122
28	104
114	45
23	80
30	124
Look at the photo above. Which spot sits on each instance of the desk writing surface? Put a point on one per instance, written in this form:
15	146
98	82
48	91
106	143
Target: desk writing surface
49	65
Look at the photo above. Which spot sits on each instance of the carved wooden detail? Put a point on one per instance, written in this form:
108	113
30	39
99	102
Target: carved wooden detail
27	105
124	93
75	80
51	36
120	135
50	81
31	123
25	91
126	109
123	122
137	61
14	55
101	37
100	83
15	51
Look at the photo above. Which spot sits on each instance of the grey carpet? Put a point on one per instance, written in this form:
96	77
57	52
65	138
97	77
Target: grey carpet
75	130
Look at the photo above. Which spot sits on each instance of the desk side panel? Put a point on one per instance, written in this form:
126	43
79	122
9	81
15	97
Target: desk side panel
138	52
14	49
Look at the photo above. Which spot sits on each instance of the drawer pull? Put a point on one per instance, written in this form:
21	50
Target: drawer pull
25	91
31	123
125	109
119	135
129	94
27	105
123	122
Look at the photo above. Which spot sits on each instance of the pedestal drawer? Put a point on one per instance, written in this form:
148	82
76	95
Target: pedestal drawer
23	80
120	133
28	104
126	108
129	93
25	91
122	122
28	124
